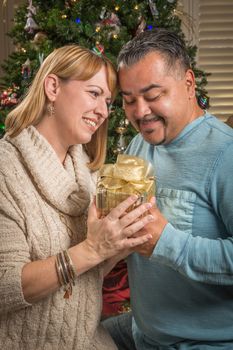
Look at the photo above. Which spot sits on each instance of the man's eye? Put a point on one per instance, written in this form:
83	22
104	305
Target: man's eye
152	98
129	102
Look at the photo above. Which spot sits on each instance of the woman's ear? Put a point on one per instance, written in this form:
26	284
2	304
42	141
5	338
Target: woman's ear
51	86
190	82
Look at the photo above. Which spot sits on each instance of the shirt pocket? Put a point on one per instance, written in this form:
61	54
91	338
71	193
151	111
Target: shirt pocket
177	206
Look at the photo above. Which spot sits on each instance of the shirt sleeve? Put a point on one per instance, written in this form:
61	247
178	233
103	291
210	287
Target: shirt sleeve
202	259
14	250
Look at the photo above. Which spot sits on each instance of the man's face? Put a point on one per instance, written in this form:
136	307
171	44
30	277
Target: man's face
159	103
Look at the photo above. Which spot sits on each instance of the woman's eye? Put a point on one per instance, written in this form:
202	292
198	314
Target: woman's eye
94	93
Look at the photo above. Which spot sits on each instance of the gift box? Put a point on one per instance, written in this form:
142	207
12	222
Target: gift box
116	182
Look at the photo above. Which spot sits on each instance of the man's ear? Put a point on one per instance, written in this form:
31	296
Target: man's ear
51	86
190	82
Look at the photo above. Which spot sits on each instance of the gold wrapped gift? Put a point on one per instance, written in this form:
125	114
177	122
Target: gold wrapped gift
116	182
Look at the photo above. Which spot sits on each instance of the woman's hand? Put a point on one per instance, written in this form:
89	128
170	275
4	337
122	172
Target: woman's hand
108	237
113	234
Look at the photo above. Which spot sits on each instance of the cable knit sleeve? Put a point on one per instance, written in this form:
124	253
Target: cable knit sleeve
14	252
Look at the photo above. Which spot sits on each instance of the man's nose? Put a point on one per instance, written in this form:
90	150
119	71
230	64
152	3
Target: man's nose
141	108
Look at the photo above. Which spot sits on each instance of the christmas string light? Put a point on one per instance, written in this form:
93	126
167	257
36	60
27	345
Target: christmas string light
2	127
203	101
98	50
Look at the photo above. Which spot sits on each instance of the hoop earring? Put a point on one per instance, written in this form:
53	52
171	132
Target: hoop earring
51	109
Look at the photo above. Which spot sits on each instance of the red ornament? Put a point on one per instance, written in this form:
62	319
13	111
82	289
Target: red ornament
9	98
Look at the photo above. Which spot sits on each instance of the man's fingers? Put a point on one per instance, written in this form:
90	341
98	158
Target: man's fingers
138	226
133	242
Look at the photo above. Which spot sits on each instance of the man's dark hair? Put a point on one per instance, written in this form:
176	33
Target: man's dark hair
171	47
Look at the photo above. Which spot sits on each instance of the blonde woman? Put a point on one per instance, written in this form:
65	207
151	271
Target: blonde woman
53	255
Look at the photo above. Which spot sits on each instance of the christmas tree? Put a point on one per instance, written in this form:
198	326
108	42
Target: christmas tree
40	26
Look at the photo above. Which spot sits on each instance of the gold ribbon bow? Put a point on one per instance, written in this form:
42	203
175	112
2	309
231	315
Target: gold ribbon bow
129	175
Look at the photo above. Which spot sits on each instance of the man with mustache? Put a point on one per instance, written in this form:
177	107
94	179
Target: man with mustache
181	281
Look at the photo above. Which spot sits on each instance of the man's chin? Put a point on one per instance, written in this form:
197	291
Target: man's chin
152	139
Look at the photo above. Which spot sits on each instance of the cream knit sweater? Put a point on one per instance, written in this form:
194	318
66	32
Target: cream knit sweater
35	191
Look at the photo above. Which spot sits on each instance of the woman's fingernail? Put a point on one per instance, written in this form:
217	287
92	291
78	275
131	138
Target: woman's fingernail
150	218
148	205
153	200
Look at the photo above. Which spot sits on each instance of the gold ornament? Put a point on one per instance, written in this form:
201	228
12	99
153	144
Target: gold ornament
39	38
121	142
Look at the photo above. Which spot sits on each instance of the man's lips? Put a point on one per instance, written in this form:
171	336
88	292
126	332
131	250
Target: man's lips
149	122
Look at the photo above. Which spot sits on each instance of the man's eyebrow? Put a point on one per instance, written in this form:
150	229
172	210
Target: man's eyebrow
142	91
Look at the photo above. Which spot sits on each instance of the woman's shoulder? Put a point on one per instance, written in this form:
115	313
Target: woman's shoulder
9	157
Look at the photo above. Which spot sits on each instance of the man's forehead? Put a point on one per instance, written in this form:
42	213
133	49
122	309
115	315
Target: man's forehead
142	90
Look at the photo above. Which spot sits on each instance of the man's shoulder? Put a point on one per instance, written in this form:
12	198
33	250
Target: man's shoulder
219	127
217	139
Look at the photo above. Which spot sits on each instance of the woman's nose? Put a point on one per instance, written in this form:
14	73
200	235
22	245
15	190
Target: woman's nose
102	109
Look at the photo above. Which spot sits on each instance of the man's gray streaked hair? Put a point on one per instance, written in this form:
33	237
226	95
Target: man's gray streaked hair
168	44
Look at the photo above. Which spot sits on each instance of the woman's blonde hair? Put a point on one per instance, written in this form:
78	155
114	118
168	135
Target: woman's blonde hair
71	61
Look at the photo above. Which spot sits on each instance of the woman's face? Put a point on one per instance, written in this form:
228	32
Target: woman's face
80	108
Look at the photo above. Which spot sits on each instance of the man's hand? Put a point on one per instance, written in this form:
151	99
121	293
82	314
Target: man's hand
155	228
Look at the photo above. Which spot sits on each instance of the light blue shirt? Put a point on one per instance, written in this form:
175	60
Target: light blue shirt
184	292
